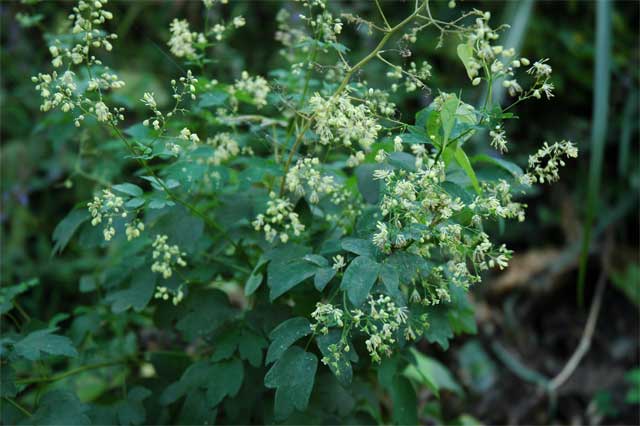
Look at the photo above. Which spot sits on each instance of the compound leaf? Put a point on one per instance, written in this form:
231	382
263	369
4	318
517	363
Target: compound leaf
35	343
284	335
292	376
359	277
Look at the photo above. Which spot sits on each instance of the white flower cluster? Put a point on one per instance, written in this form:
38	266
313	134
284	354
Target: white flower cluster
378	102
381	324
485	256
326	316
61	90
158	120
279	220
416	208
188	135
257	87
498	139
544	164
133	229
103	209
414	77
87	18
166	257
338	262
412	198
182	40
305	179
497	201
432	290
225	146
338	119
501	63
164	293
324	24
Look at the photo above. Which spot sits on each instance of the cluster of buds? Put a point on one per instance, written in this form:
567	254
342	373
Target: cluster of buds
279	220
166	257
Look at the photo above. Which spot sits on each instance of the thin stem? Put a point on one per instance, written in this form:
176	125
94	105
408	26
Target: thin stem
343	85
22	311
66	374
18	406
384	18
587	335
211	223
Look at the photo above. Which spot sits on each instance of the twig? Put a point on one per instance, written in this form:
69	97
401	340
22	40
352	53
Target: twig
18	406
346	79
587	334
61	376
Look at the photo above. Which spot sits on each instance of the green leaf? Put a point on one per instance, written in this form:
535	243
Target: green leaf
439	330
316	259
358	246
463	161
448	116
220	380
38	342
9	293
255	279
465	53
403	397
322	277
131	411
367	185
195	409
215	98
66	228
283	275
404	402
408	265
343	370
390	279
248	344
284	335
129	189
250	347
252	284
134	203
510	167
143	283
224	379
358	279
292	376
402	161
182	228
480	372
461	311
432	374
194	376
60	407
203	312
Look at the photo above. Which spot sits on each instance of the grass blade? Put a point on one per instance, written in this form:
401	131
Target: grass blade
602	80
629	123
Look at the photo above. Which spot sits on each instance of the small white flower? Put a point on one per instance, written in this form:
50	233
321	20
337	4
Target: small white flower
102	111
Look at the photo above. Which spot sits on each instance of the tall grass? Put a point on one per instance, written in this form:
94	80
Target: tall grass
602	82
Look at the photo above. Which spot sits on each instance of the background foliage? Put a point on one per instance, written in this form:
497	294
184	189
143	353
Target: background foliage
529	321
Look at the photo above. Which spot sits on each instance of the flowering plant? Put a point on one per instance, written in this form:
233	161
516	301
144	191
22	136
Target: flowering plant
294	232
